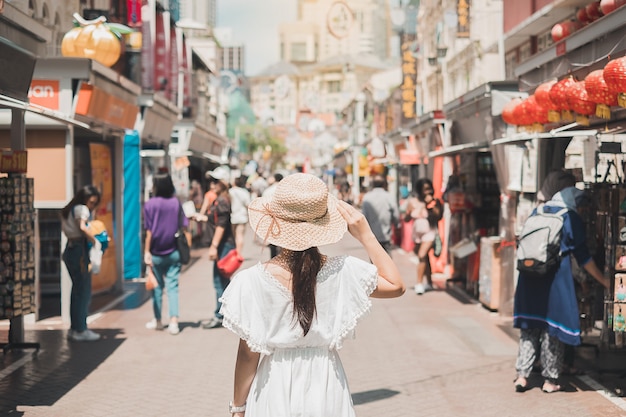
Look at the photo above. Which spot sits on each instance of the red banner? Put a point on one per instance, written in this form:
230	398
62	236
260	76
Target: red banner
161	57
133	12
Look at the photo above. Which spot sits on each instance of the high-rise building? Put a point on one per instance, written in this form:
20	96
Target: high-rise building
203	12
329	28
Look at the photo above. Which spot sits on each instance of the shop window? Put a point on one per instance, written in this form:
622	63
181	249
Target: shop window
298	51
50	250
487	187
334	86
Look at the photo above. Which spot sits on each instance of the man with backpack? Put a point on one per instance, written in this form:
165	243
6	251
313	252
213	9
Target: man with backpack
545	307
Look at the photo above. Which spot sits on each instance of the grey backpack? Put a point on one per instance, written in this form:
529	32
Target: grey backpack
539	244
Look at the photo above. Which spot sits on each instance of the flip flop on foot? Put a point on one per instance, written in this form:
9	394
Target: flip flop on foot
520	384
549	387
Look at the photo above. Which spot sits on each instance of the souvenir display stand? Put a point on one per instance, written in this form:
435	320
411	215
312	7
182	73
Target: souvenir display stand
17	254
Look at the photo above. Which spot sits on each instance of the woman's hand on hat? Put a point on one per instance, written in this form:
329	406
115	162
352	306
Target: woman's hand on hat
357	223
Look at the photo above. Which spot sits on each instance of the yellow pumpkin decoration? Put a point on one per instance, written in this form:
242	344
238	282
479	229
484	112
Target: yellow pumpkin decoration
93	40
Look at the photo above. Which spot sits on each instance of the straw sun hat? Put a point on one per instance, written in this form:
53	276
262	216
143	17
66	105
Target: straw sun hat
299	215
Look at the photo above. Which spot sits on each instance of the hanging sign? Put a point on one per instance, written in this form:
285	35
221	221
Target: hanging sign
14	162
409	80
463	18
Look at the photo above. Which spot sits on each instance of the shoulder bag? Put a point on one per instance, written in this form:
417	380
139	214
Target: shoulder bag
181	240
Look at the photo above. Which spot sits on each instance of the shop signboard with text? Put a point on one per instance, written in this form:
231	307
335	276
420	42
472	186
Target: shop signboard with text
102	178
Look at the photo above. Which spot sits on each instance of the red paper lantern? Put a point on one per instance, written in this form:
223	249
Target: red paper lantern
599	93
593	11
578	99
563	29
542	94
581	15
558	93
522	114
508	109
597	89
538	113
615	75
608	6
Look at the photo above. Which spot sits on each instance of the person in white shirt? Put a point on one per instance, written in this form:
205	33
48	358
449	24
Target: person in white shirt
239	200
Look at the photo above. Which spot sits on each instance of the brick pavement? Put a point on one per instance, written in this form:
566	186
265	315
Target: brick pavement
434	355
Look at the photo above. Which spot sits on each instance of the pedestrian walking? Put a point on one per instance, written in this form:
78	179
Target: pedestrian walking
221	241
162	214
293	312
381	211
239	201
425	210
74	224
546	307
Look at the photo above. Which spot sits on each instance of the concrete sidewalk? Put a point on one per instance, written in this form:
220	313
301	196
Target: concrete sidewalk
433	355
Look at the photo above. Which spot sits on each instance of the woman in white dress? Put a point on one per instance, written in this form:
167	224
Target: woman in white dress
293	312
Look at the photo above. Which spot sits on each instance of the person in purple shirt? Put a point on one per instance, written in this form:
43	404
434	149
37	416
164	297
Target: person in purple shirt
161	217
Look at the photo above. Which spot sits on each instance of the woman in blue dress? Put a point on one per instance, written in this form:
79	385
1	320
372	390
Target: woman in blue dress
546	308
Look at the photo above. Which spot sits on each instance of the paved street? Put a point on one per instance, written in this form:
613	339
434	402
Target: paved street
434	355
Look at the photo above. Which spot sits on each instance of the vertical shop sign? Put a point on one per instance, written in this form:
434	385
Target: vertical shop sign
187	78
148	35
161	56
102	179
463	18
133	8
172	89
409	79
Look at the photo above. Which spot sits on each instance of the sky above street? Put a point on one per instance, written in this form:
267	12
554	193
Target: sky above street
255	24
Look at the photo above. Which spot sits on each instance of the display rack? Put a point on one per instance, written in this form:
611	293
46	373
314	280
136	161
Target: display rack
17	256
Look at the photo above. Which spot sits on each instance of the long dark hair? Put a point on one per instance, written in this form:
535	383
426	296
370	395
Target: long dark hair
163	186
419	187
304	266
81	197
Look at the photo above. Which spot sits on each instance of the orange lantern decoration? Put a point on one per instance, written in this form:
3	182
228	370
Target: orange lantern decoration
538	115
522	114
599	93
542	94
508	109
558	95
94	40
615	77
578	100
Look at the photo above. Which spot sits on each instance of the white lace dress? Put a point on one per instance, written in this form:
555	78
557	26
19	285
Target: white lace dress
299	376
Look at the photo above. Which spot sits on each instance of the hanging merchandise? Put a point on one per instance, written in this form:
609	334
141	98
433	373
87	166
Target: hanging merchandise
539	114
558	95
17	247
599	93
615	77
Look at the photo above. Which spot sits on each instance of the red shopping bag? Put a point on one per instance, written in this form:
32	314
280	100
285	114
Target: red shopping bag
230	263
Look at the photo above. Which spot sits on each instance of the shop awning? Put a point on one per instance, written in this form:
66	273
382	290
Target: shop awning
207	143
158	119
456	149
41	114
521	138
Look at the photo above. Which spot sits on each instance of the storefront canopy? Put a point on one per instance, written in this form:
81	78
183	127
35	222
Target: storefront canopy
523	137
36	116
457	149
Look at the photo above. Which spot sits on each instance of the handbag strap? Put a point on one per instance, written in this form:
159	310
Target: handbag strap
180	216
